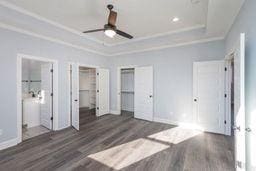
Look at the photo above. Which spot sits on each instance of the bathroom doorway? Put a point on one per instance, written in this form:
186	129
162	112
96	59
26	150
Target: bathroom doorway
36	96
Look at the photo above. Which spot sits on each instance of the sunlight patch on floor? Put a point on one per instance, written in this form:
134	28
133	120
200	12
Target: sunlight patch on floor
129	153
175	135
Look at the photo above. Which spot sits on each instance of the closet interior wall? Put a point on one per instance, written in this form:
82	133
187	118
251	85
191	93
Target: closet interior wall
127	90
87	88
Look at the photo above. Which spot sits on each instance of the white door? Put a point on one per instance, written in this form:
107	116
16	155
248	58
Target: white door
208	92
239	100
46	94
75	95
102	97
143	93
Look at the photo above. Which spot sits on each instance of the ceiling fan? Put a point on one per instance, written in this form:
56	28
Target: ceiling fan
110	29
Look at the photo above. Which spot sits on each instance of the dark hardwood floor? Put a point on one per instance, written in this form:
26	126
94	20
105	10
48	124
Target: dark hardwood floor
121	143
86	116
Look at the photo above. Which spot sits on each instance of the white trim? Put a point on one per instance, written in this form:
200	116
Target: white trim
69	88
118	92
178	123
80	47
115	112
157	35
170	46
30	33
9	143
19	91
40	18
165	121
228	79
76	32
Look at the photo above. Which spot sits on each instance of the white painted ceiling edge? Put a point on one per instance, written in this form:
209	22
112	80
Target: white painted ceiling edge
123	48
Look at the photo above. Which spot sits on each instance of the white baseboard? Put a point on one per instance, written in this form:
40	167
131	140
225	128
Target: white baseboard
186	125
9	143
115	112
165	121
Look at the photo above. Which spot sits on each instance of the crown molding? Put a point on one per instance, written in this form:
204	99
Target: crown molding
171	46
61	26
26	32
40	18
22	31
157	35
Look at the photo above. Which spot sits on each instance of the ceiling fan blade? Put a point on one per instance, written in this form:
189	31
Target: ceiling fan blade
91	31
126	35
112	18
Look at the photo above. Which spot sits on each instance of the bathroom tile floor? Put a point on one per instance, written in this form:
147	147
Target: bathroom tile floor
34	131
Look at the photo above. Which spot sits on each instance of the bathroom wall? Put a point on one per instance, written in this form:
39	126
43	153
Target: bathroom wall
31	71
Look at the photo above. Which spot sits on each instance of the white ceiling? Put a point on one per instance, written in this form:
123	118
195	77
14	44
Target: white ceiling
141	18
149	21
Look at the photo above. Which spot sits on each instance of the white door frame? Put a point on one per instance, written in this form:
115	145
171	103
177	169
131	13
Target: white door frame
228	79
19	91
118	92
69	88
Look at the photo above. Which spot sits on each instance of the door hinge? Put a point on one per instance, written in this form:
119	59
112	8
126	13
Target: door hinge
239	164
98	73
225	122
52	118
98	91
226	69
97	108
225	95
51	94
51	70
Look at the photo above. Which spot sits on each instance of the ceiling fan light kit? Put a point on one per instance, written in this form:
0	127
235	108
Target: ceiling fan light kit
110	29
110	33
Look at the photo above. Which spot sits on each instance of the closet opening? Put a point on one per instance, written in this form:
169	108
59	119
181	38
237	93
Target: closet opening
127	92
87	95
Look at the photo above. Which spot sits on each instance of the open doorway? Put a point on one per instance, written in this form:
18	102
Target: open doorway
127	92
135	92
87	95
36	98
36	83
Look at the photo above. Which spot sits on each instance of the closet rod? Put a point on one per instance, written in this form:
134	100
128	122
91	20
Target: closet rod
31	81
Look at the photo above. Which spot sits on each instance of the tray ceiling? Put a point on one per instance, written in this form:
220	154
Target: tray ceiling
149	21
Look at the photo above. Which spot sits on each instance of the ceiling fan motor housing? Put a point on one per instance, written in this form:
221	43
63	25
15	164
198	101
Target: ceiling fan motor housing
109	27
110	7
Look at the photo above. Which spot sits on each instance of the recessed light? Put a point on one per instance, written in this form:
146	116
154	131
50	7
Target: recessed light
175	19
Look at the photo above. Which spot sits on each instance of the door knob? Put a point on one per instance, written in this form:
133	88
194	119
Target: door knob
76	100
236	128
195	100
150	96
248	130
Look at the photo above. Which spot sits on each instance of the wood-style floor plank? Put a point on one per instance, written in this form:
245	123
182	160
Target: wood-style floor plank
121	143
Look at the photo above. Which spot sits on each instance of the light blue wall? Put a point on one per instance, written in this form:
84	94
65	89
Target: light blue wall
246	23
13	43
173	74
